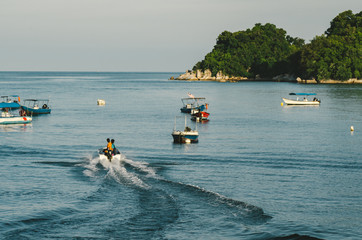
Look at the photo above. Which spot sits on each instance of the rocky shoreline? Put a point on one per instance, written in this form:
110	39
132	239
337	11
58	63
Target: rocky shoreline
206	75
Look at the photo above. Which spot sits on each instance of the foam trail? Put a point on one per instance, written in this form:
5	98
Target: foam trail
116	170
243	208
143	167
91	167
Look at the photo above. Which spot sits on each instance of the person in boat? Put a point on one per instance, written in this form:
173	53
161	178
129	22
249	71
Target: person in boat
22	113
109	145
114	150
108	150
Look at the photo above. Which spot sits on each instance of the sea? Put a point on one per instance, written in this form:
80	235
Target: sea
261	169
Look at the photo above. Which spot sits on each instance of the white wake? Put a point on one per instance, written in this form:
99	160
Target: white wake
116	170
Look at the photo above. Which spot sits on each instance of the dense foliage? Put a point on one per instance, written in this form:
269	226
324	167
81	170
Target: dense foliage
267	51
338	53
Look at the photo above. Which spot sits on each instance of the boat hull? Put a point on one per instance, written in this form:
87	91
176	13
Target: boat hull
33	111
300	102
199	119
185	137
15	120
115	157
199	116
103	156
185	110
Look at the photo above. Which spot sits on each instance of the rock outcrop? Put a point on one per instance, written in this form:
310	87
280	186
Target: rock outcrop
330	81
206	75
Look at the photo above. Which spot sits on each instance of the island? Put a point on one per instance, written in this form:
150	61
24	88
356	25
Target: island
267	53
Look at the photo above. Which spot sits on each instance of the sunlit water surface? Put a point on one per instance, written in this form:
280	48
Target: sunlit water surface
259	171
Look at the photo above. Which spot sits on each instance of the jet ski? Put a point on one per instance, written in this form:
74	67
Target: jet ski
104	154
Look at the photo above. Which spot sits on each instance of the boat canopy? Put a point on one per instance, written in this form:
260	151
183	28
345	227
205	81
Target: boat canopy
303	94
194	98
9	105
36	100
10	96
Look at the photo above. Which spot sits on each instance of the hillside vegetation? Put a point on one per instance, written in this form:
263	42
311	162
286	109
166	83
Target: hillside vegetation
266	51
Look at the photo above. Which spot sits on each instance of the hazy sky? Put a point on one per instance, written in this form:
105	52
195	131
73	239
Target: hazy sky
142	35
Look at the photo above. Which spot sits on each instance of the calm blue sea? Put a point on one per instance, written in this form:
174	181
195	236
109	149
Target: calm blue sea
259	171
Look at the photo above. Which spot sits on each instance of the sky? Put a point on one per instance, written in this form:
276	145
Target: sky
142	35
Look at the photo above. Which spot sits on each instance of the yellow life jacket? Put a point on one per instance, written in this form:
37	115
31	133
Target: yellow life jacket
109	146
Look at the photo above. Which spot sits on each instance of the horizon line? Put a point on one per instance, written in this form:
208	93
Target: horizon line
90	71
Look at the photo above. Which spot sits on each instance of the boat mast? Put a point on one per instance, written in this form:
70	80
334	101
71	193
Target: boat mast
174	127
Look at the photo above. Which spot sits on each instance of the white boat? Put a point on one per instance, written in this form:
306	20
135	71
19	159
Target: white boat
186	136
7	117
302	99
104	156
15	120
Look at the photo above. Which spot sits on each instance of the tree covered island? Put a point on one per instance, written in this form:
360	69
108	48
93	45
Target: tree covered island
266	52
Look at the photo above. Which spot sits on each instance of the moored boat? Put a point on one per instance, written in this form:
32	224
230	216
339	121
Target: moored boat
192	103
186	136
199	114
8	118
36	106
302	99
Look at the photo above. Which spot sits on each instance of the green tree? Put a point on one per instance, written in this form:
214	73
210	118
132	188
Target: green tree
263	50
337	54
267	51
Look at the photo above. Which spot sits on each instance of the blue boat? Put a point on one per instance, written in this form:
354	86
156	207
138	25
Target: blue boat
192	103
10	102
36	106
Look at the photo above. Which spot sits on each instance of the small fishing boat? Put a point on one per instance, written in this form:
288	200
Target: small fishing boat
11	102
36	106
302	99
191	103
199	116
186	136
103	155
8	118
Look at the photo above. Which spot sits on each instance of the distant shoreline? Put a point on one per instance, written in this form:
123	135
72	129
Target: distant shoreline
206	76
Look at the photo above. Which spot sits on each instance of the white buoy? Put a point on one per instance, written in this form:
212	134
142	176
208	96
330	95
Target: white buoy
101	102
352	128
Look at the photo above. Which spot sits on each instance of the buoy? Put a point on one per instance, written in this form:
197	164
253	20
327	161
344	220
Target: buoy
352	128
101	102
281	104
